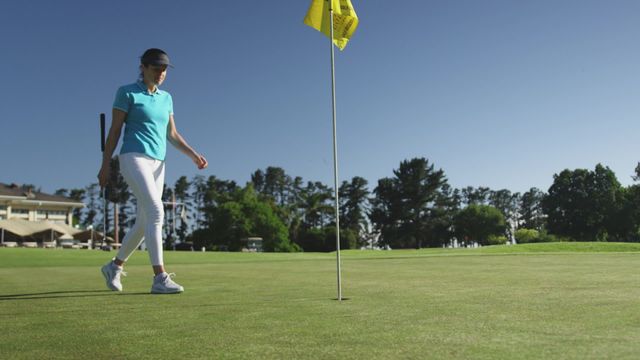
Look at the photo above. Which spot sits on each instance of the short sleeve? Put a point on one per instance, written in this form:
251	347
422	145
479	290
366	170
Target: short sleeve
170	105
122	100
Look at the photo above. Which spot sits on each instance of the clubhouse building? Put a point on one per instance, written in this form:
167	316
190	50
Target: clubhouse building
28	216
17	202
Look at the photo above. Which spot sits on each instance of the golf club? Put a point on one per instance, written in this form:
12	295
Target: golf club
102	189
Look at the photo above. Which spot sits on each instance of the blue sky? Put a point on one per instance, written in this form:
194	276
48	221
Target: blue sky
496	93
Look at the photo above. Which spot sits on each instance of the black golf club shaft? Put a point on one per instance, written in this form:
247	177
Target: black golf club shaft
102	129
104	199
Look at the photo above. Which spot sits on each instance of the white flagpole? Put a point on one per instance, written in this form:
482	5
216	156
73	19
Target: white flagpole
335	154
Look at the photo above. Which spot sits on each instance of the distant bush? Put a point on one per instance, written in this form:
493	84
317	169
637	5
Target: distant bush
324	239
185	246
496	240
545	237
476	223
525	236
602	236
201	238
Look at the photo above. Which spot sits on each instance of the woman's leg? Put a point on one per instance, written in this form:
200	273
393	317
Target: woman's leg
140	173
132	239
156	255
162	282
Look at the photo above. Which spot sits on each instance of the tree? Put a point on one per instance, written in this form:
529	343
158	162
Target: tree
531	212
354	205
199	192
31	188
477	223
229	226
417	184
295	209
181	191
168	218
316	205
77	195
276	186
258	180
62	192
582	204
385	211
445	207
627	218
117	192
403	205
92	206
507	203
244	215
477	196
217	192
636	171
276	183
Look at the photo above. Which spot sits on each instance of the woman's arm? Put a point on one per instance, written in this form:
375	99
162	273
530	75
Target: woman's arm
180	143
117	120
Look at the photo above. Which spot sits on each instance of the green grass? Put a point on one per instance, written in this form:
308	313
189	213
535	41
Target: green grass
535	301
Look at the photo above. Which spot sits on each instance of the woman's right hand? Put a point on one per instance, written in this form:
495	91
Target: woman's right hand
103	175
117	122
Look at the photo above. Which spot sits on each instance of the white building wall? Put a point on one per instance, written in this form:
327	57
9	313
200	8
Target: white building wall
36	212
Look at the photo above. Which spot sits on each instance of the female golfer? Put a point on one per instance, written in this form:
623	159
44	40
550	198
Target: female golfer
147	115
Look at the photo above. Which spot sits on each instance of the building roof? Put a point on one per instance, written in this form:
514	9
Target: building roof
24	228
27	228
25	193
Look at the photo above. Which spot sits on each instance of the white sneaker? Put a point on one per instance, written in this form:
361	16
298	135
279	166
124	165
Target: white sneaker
112	274
162	284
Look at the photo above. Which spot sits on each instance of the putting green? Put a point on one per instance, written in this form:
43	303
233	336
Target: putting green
569	301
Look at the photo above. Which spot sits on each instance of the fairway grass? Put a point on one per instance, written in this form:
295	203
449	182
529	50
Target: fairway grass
533	301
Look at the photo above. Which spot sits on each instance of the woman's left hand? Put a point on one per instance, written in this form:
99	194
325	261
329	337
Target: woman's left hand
200	161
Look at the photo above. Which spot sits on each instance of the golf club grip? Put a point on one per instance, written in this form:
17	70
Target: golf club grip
102	128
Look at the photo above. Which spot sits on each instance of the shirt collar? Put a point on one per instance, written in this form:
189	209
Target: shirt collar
143	87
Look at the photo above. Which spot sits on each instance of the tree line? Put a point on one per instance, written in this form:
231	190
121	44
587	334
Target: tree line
414	208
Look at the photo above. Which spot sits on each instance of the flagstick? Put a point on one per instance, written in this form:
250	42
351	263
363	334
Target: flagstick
335	155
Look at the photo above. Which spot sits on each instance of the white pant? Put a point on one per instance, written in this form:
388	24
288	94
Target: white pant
145	177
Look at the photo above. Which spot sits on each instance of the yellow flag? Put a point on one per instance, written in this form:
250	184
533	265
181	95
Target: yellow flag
345	20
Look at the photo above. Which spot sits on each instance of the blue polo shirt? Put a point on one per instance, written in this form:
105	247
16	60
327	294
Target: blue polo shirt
147	119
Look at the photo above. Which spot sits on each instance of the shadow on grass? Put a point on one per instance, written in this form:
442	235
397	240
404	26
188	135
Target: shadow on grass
66	294
95	293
